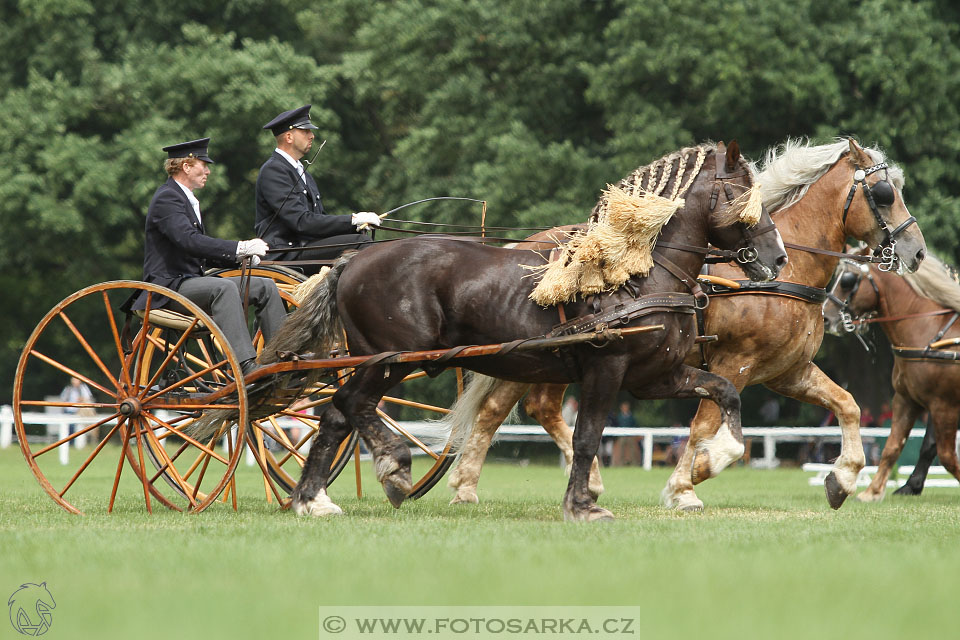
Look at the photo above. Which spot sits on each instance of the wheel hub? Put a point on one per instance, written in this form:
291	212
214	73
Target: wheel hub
130	407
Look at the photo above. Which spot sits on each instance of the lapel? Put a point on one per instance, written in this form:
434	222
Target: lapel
187	207
312	195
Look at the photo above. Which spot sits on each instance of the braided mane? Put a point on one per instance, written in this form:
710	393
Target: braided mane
625	224
668	171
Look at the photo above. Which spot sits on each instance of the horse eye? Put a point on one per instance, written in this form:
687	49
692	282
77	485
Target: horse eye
848	279
883	193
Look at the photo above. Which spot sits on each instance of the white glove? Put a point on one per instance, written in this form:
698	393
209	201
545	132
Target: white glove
255	247
254	261
365	218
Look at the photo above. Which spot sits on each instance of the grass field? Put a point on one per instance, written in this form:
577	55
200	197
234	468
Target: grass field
767	558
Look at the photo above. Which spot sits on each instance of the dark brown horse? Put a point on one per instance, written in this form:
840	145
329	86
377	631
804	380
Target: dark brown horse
428	293
918	314
765	337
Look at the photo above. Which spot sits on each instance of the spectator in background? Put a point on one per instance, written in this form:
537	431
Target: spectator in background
77	392
625	417
627	450
886	415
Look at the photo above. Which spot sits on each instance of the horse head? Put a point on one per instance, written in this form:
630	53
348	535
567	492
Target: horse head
849	299
874	211
737	219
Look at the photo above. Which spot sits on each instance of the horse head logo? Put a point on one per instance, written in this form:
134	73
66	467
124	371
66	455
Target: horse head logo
30	609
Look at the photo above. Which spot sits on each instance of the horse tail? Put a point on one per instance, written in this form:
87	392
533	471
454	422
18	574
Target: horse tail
462	419
315	325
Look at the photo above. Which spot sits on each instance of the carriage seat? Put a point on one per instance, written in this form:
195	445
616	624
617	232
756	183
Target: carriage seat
169	319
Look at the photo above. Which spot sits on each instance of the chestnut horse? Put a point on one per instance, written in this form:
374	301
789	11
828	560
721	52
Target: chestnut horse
764	337
918	314
428	293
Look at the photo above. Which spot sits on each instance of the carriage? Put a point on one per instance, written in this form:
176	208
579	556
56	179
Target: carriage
156	372
183	413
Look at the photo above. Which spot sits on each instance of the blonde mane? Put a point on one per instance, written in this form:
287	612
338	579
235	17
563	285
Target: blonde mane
789	169
936	281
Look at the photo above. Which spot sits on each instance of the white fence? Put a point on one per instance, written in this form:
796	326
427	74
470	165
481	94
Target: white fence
899	475
771	435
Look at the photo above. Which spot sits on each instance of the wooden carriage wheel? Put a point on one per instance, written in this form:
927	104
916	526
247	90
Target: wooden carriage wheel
144	406
282	449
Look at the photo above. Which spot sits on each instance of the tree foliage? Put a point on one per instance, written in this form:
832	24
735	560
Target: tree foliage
528	105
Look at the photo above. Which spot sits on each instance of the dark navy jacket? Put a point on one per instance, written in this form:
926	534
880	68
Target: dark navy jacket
175	246
301	218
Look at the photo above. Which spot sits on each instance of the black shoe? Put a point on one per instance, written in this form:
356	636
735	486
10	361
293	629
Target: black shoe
249	366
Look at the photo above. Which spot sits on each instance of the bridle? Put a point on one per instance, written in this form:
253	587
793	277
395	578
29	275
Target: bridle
744	255
881	194
851	279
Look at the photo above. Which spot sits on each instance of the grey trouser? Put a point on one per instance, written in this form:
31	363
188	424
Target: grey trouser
223	300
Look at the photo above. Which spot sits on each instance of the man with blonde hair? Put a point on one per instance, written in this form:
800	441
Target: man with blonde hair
290	212
177	251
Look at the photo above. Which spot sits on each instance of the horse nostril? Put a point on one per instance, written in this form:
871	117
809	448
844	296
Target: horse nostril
921	254
782	261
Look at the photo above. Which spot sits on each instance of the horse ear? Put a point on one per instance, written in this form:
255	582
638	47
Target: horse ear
733	155
858	155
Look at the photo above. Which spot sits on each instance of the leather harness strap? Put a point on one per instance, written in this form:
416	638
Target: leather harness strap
624	313
794	290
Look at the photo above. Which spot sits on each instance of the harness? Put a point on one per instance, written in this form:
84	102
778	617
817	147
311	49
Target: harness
881	193
929	352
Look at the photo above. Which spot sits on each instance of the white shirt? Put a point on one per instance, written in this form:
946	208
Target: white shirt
193	200
296	164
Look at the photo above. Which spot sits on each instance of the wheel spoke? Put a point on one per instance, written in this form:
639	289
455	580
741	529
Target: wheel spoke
122	423
170	354
168	464
189	439
180	383
90	352
409	436
117	341
86	463
71	372
51	447
266	474
143	468
281	440
417	405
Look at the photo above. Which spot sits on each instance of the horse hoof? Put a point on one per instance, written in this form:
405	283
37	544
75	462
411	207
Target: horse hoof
592	514
907	490
317	507
869	496
700	468
835	493
689	504
465	497
397	486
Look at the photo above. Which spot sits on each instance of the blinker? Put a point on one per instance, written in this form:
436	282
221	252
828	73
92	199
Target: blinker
883	193
848	279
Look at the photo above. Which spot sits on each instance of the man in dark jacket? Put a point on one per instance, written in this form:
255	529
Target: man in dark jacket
290	212
176	250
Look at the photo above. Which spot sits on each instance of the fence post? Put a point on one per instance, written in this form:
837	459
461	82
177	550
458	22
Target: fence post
648	451
6	426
